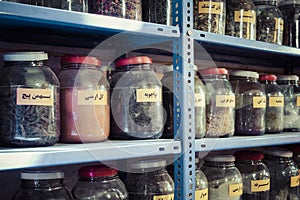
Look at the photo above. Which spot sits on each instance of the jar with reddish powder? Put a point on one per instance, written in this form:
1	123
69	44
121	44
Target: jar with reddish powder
84	100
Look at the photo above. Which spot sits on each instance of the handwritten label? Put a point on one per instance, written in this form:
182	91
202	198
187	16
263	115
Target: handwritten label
164	197
298	101
201	194
278	24
235	189
207	7
294	181
92	97
35	97
225	101
260	185
148	95
259	102
199	100
276	101
245	16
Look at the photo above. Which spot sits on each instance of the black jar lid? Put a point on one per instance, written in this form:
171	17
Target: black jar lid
269	77
25	56
248	155
94	171
213	71
80	60
42	175
133	61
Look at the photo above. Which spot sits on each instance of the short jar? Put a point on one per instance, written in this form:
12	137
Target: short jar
157	11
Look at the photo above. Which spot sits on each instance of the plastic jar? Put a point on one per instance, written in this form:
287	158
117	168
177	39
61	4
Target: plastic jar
284	174
290	89
275	104
129	9
210	15
46	185
256	176
75	5
157	11
241	19
224	179
291	14
149	180
85	110
99	182
269	20
250	103
136	100
29	101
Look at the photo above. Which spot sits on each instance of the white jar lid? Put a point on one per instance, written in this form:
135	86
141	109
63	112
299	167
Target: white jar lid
287	77
41	175
220	158
147	164
280	152
25	56
243	73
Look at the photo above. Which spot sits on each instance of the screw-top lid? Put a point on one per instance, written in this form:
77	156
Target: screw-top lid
148	164
25	56
248	155
80	60
93	171
133	61
288	2
220	158
216	71
42	175
269	77
280	152
287	77
243	73
295	149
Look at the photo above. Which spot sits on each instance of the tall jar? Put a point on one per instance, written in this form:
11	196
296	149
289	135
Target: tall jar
250	103
75	5
157	11
275	104
46	185
99	182
224	179
29	101
284	174
270	22
85	110
210	15
291	91
220	102
136	100
241	19
256	176
149	180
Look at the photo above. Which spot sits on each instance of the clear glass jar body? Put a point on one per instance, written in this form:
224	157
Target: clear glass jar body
157	11
29	96
75	5
270	22
241	19
201	187
129	9
210	15
136	103
85	110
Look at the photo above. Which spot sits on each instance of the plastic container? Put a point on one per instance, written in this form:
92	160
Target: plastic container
241	19
29	101
250	103
275	104
157	11
291	91
85	110
269	20
210	16
220	102
256	176
149	180
46	185
99	182
136	100
224	179
75	5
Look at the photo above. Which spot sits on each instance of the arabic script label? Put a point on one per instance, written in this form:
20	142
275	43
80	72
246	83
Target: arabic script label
92	97
225	101
260	185
148	95
201	194
294	181
259	102
35	97
245	16
276	101
207	7
235	189
199	100
164	197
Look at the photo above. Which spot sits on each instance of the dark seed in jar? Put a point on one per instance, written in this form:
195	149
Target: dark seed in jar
157	11
75	5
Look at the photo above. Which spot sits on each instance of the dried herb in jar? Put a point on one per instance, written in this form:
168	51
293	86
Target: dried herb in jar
157	11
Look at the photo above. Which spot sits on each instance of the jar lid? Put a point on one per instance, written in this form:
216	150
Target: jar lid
269	77
288	2
41	175
216	71
280	152
248	155
220	158
287	77
133	61
80	60
25	56
146	164
243	73
96	171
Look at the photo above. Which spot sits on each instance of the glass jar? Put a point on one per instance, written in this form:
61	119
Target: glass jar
291	15
290	89
210	15
269	21
220	102
256	176
284	174
149	180
224	179
241	19
84	91
46	185
250	103
99	182
157	11
201	187
136	100
275	104
75	5
29	101
129	9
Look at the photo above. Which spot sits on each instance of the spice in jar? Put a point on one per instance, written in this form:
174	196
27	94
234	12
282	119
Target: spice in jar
75	5
157	11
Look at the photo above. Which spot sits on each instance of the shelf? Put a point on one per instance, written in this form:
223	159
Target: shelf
61	154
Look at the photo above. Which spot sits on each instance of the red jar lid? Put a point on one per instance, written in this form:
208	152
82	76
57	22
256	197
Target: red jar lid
81	60
248	155
215	71
93	171
133	61
269	77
